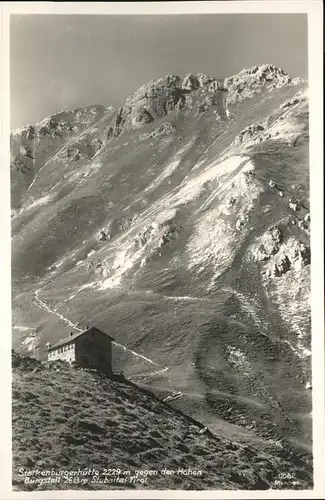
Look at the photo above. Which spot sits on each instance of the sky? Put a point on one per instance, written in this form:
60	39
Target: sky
68	61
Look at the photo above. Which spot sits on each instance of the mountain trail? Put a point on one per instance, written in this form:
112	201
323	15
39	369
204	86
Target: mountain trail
42	305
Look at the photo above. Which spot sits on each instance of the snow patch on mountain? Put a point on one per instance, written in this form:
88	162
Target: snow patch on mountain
140	249
220	230
44	200
212	173
291	293
215	230
30	343
171	167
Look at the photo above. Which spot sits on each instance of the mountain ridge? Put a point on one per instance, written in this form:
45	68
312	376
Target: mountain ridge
181	227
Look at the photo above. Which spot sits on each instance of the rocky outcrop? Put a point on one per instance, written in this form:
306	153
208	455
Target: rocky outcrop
140	116
157	96
209	83
292	255
96	144
206	104
253	132
104	235
76	154
26	152
268	244
31	133
250	82
164	130
156	234
190	82
161	97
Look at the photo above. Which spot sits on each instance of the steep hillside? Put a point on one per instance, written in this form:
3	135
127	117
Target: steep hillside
67	420
33	146
179	224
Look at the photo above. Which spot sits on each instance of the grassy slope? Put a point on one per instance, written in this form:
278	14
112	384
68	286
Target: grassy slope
70	419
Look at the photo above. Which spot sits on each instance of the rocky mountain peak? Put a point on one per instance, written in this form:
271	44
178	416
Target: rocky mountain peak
190	82
163	86
251	81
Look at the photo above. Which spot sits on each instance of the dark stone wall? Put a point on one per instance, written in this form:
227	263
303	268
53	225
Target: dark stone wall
94	350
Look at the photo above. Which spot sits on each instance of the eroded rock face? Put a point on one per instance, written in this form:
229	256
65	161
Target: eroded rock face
171	94
156	234
26	152
250	132
161	97
296	99
292	255
163	131
250	82
268	244
190	82
31	133
140	116
208	82
157	95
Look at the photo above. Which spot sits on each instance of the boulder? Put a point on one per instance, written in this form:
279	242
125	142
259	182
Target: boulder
293	205
102	236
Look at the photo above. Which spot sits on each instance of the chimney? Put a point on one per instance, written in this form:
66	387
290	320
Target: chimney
70	334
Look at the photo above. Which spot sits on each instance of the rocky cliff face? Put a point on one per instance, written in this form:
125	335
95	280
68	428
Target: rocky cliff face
178	223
